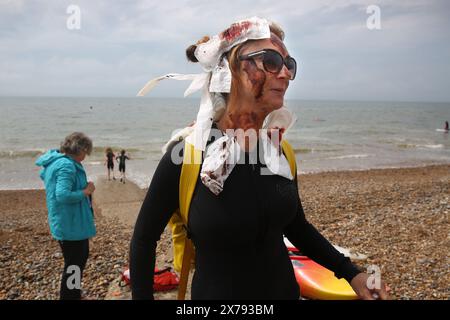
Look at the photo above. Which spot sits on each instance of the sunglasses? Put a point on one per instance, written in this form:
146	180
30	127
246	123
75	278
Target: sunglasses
273	61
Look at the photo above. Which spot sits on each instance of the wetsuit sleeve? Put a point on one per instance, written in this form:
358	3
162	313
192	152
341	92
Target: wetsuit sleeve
305	237
158	206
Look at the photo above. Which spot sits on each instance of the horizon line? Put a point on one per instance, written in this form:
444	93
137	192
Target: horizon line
198	98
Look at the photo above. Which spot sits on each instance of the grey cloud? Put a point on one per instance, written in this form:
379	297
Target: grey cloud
122	44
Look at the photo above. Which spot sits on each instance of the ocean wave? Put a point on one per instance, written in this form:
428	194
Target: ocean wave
406	145
142	181
102	149
431	146
350	156
13	154
95	163
96	152
428	146
303	150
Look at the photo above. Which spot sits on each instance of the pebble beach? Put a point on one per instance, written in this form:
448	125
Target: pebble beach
399	218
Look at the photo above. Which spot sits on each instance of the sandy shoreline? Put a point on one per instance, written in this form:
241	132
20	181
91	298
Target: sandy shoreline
398	217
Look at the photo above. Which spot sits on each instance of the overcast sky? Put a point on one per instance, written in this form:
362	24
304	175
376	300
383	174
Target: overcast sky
122	44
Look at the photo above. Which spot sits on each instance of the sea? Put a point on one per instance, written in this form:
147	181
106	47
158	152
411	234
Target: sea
327	136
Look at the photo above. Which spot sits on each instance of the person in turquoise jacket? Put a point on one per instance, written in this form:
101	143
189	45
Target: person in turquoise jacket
70	214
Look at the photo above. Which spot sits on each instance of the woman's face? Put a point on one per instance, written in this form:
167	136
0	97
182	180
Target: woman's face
265	89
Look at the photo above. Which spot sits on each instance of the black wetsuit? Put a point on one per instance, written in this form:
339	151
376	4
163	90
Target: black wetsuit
110	160
238	235
121	160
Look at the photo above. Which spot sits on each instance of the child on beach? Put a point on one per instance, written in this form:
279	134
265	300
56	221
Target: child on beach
121	159
109	162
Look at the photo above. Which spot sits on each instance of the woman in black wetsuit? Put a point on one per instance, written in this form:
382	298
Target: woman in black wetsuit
109	162
237	225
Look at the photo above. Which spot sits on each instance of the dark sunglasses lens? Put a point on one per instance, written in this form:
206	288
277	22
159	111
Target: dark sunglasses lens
273	61
291	64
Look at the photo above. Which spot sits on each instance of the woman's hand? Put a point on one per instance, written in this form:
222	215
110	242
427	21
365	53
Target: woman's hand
359	285
90	188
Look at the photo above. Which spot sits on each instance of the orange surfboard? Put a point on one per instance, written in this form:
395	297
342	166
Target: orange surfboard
316	281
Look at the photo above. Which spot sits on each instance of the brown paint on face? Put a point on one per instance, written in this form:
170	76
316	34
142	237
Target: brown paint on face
256	76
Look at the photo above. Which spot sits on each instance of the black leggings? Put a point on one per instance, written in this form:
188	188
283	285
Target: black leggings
75	254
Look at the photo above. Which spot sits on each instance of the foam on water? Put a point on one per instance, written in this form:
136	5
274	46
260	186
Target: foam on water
351	156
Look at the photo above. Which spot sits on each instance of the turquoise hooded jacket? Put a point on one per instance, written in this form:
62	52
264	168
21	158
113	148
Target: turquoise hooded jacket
70	214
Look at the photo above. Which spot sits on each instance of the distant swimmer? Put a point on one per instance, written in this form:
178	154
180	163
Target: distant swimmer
446	128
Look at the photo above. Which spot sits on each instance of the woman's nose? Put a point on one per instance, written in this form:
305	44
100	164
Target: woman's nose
284	73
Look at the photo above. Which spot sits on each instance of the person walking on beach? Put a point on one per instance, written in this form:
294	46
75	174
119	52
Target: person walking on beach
239	211
121	159
70	214
109	162
446	126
